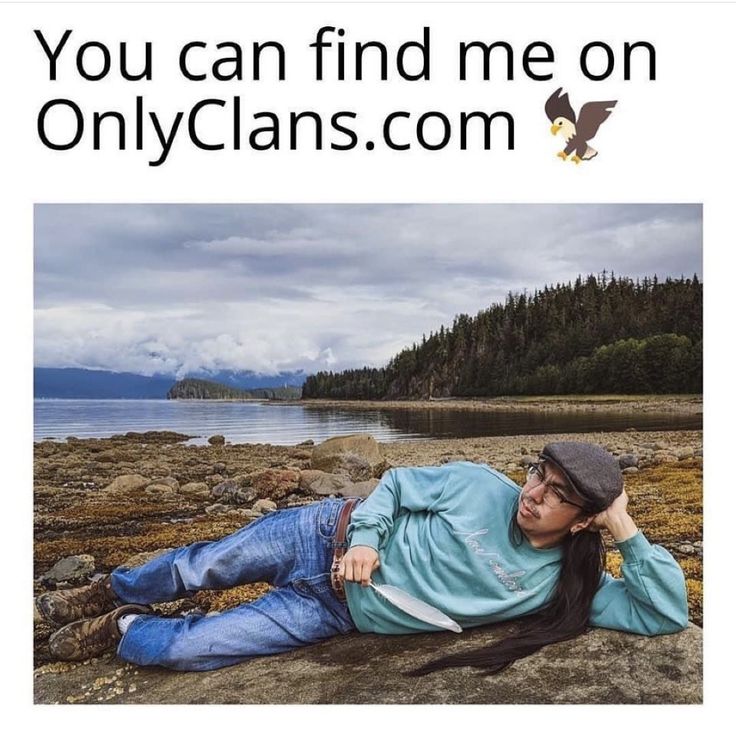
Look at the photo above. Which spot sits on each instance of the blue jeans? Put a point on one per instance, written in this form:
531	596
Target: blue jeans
291	549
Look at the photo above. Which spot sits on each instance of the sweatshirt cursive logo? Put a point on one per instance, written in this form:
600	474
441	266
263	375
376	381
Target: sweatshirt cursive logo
510	580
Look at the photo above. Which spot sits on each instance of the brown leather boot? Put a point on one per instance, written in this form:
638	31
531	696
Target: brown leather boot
89	638
65	606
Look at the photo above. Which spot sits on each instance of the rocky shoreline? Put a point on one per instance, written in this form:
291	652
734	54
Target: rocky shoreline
671	404
103	502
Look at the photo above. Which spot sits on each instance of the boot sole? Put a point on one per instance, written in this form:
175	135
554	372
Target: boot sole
41	616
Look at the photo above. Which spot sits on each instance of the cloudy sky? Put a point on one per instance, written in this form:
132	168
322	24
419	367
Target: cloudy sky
178	288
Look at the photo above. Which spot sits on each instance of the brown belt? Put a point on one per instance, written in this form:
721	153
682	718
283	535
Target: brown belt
341	546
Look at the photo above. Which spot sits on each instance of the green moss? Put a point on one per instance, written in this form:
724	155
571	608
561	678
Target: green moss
666	502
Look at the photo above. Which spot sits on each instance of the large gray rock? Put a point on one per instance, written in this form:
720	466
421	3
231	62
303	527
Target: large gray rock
347	453
195	487
601	667
323	484
327	484
75	570
356	468
159	489
362	489
231	492
167	481
628	460
263	506
127	484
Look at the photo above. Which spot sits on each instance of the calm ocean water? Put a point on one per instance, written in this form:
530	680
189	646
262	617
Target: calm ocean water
255	422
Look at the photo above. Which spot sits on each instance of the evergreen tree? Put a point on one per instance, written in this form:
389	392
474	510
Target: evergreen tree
598	334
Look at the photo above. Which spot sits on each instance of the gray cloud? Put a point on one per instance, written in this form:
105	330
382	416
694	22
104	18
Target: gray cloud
171	288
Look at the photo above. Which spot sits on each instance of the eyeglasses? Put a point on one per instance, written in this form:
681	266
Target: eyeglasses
553	495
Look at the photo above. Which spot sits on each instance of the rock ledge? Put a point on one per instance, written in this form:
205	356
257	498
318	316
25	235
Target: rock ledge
601	667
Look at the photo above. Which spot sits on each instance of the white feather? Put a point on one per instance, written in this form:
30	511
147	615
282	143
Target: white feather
416	607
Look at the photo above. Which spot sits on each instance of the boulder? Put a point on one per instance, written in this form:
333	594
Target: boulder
195	487
75	570
167	481
227	486
381	467
600	667
330	454
218	509
361	489
628	460
356	468
275	483
263	506
321	483
127	484
159	489
216	440
664	457
231	492
327	484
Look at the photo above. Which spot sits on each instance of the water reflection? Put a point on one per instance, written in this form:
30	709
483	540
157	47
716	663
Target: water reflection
438	423
287	425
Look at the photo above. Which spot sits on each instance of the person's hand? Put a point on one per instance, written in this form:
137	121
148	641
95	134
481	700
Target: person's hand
358	564
616	519
618	506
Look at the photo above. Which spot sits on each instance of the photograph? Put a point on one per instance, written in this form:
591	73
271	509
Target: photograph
362	453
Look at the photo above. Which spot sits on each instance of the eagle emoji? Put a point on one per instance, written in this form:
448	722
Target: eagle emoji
576	132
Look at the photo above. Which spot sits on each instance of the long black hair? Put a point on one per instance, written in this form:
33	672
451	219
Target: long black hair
564	616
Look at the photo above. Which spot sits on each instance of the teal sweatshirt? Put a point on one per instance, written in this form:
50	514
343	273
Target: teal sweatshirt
442	534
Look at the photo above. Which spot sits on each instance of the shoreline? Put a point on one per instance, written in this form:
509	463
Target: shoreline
685	404
675	404
641	412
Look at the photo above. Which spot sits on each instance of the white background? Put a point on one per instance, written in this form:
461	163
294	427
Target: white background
670	140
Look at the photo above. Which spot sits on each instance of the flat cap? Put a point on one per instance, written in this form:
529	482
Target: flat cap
592	470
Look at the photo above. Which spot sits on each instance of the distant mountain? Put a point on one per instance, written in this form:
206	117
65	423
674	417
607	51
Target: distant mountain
77	382
191	388
248	380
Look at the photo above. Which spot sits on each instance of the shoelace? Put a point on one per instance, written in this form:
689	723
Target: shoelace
97	630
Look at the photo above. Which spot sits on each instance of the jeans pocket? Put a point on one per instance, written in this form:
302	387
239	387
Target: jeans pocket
327	517
320	587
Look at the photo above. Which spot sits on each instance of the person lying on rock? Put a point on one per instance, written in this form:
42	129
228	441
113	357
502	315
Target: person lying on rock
461	537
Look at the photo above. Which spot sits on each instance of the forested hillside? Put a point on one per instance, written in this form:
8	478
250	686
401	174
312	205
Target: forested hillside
192	388
597	335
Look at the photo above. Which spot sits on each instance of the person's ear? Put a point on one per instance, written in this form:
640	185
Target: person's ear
582	524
